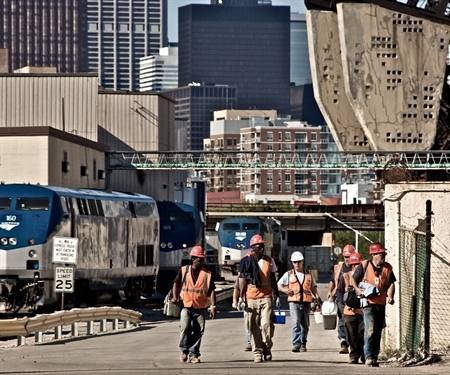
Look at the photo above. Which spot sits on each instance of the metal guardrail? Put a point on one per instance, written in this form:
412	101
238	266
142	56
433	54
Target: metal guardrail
24	327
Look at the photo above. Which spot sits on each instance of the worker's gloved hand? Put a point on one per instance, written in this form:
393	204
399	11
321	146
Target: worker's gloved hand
277	302
242	305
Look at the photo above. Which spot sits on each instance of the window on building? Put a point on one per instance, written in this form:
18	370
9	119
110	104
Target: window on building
287	146
313	137
269	188
270	177
287	177
313	146
300	189
287	188
279	188
229	142
287	136
313	188
270	147
280	136
270	136
300	138
313	177
279	176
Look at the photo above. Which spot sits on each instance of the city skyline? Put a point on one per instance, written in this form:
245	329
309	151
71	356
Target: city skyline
173	5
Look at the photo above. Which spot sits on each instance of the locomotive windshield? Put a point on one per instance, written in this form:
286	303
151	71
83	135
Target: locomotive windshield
231	226
5	203
181	216
250	226
33	204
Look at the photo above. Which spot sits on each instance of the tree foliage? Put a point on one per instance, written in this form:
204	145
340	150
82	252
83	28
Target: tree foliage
348	237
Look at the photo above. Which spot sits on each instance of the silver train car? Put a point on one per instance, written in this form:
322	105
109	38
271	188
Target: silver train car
118	243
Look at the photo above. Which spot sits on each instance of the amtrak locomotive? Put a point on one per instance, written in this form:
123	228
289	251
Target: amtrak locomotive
118	242
234	236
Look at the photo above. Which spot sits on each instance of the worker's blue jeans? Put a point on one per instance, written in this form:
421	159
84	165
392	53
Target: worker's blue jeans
247	327
341	329
192	327
300	322
374	316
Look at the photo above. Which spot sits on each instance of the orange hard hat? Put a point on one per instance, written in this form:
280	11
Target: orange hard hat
355	258
256	240
377	248
197	251
348	250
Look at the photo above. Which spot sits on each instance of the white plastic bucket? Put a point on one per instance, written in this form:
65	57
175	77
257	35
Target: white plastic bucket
329	308
318	317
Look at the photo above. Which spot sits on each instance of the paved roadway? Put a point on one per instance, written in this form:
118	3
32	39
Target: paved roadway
152	348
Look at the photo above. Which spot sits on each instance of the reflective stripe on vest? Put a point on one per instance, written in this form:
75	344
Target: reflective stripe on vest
265	290
381	282
195	295
294	285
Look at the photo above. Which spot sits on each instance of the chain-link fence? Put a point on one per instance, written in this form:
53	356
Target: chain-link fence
412	260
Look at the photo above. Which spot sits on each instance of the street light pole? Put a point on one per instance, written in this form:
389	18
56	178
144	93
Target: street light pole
357	233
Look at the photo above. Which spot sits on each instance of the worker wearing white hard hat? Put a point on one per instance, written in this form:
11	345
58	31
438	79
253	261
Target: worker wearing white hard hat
300	287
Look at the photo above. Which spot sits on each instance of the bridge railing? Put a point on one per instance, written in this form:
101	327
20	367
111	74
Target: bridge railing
24	327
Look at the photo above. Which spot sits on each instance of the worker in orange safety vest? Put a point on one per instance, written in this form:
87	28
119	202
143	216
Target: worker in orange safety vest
194	287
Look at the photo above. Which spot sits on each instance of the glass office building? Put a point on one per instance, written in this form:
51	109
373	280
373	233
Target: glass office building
245	46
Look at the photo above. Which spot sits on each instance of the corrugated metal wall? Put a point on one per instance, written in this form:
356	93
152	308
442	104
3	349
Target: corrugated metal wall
63	101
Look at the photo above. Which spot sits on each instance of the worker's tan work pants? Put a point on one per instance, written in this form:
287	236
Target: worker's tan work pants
260	315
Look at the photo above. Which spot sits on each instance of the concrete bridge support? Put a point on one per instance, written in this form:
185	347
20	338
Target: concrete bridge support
393	68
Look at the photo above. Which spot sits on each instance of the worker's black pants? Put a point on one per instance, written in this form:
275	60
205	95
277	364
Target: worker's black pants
354	331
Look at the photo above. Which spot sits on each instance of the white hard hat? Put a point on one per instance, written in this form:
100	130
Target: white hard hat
297	256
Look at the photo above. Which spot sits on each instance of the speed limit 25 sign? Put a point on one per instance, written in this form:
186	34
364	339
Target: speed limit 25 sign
64	279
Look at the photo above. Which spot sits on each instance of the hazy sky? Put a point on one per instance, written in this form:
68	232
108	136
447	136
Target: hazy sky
173	5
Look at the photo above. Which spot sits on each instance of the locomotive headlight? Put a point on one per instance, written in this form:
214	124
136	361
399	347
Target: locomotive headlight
13	241
32	253
3	241
169	245
163	245
184	246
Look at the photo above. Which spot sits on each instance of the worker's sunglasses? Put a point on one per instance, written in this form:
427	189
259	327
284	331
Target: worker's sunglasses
259	246
199	259
296	261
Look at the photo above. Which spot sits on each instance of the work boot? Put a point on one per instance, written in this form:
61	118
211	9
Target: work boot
344	347
353	361
248	348
296	349
258	358
183	357
195	360
267	355
369	361
303	348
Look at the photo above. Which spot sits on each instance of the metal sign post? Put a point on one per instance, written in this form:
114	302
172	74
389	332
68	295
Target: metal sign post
65	250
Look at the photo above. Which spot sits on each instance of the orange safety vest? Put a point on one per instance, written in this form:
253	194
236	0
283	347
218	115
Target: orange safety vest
195	295
381	282
265	291
349	310
302	293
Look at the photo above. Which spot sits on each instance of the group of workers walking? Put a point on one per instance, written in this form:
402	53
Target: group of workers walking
359	329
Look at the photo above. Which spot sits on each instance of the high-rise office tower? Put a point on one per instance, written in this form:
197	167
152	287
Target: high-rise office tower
120	32
245	46
43	33
159	72
300	68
